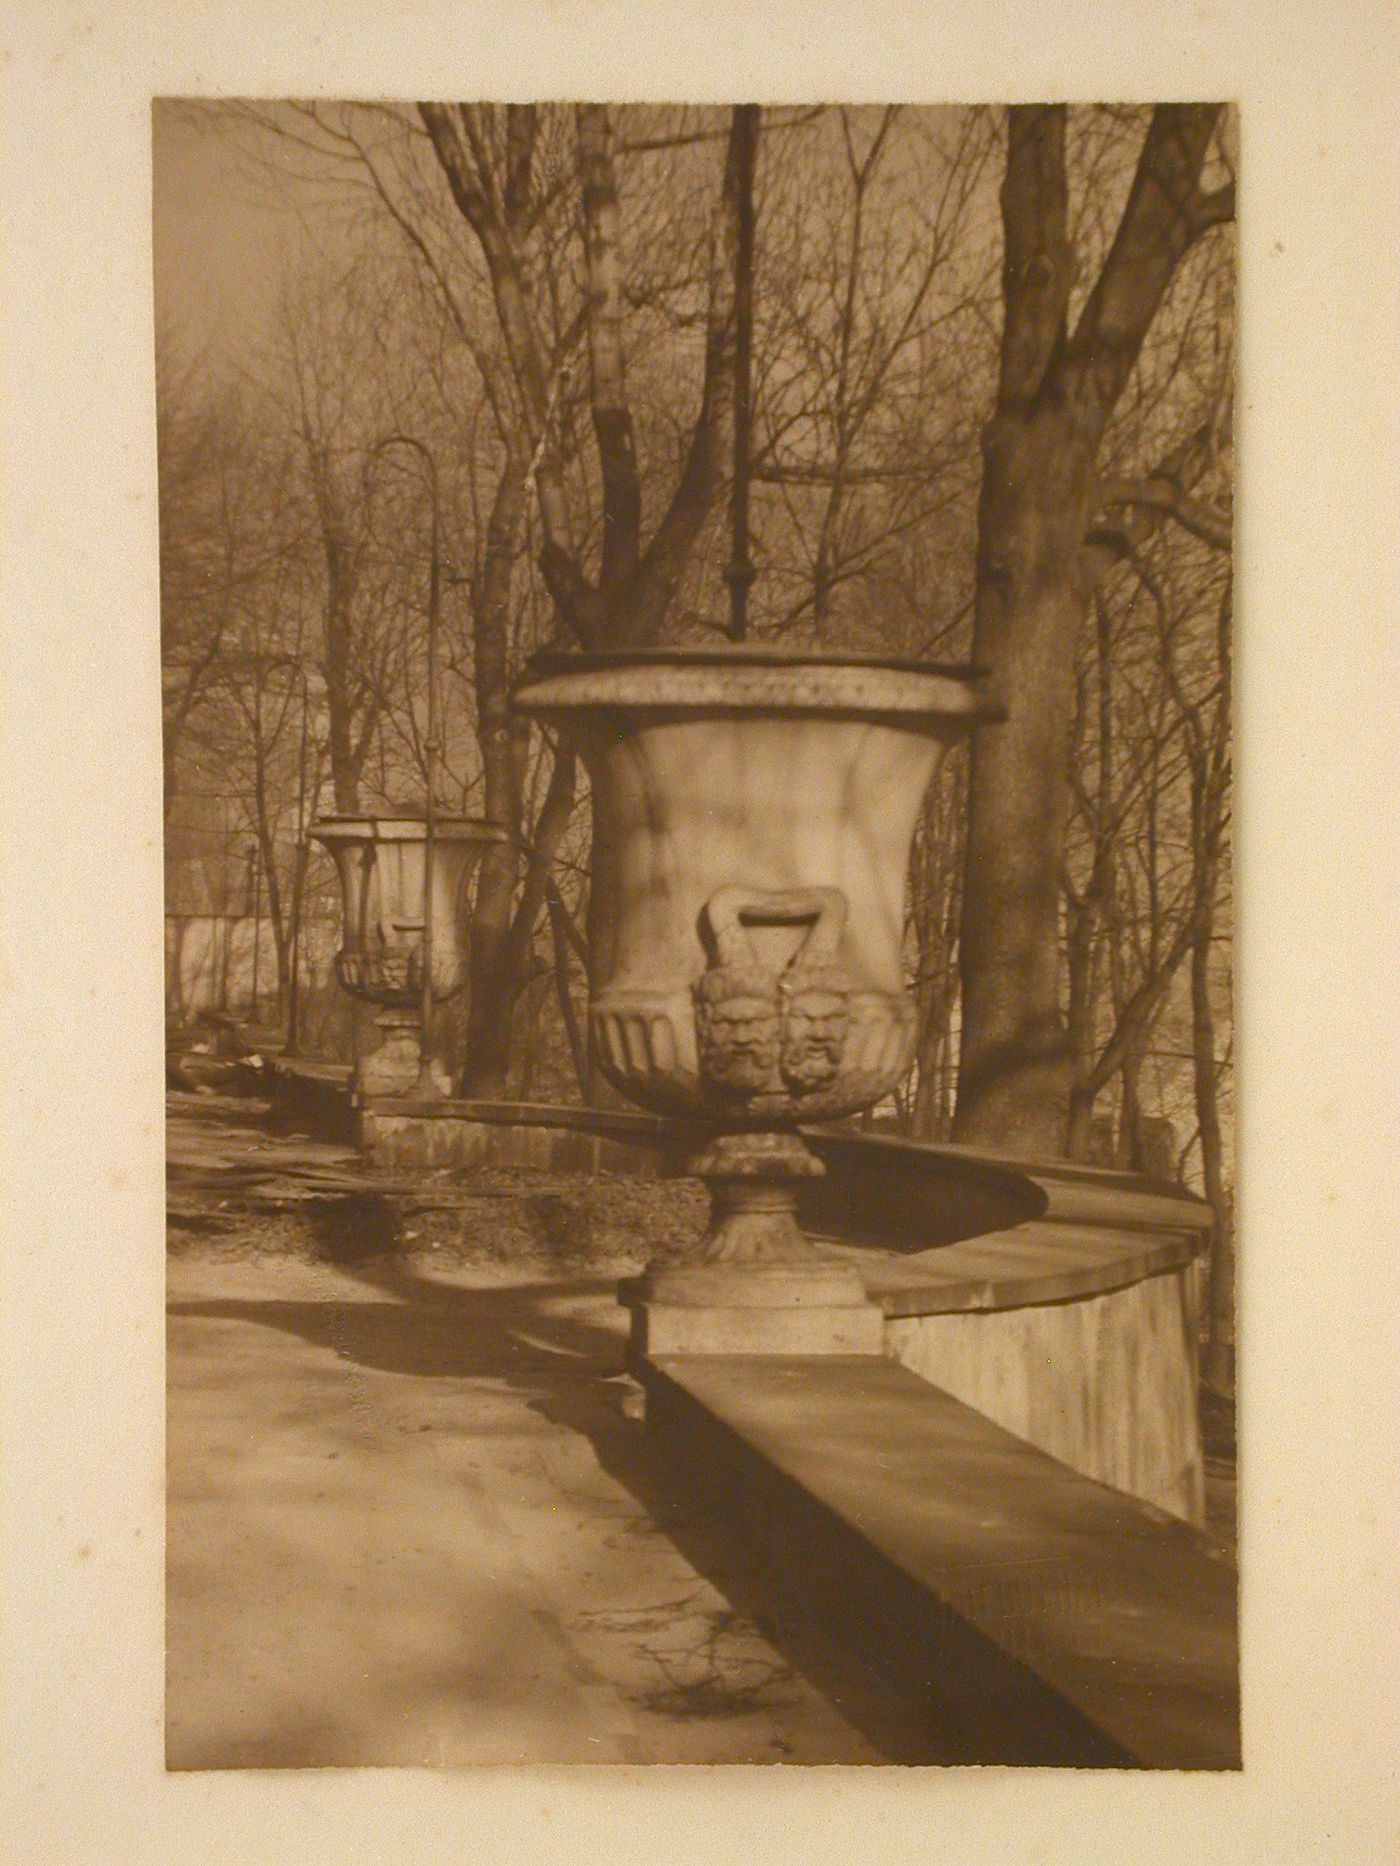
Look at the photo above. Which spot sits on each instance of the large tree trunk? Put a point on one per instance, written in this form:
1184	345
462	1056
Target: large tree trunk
493	990
1218	1367
1055	394
1015	1069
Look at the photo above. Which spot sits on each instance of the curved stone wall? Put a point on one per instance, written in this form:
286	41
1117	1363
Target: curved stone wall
1061	1301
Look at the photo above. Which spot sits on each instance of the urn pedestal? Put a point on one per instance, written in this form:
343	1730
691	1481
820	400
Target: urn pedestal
382	865
753	818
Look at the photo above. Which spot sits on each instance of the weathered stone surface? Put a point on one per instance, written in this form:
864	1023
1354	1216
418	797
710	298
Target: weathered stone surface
753	817
757	816
381	862
1106	1384
387	1057
719	1328
1046	1618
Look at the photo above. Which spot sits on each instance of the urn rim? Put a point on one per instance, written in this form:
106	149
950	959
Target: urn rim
402	826
745	654
746	680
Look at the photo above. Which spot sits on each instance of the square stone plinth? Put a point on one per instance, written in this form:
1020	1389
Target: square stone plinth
818	1328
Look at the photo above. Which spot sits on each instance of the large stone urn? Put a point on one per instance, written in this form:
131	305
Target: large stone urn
753	816
382	865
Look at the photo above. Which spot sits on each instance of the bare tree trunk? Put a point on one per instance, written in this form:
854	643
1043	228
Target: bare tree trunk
1079	1130
559	928
928	1119
937	912
488	1064
266	842
532	998
336	669
1082	968
1055	394
1130	1139
1218	1367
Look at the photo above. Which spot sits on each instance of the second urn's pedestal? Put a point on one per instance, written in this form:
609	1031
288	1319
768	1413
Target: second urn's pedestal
388	1056
758	1285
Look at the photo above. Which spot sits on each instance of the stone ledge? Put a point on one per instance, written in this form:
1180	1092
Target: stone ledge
930	1229
665	1328
1032	1266
1057	1619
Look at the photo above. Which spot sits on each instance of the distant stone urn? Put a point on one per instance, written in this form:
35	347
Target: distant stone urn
381	864
753	814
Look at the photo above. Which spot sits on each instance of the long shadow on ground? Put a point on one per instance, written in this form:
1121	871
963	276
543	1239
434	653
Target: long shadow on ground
571	1372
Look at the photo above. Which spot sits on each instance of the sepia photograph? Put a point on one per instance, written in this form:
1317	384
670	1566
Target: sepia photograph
696	673
697	1022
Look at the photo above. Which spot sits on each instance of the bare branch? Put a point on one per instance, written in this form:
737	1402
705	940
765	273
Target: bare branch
775	120
1214	208
522	132
612	419
1159	493
1158	225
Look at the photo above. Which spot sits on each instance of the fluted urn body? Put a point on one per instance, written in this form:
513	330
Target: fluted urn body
753	818
753	815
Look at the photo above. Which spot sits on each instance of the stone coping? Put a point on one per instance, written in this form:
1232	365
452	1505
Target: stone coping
1029	1267
930	1229
884	1165
1104	1630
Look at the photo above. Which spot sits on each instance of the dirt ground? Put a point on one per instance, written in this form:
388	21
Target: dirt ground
411	1517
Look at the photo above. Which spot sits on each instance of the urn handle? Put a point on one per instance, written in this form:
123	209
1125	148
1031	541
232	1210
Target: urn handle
762	1032
729	912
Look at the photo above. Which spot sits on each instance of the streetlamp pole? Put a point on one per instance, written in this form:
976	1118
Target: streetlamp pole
427	1083
289	1048
427	1086
255	860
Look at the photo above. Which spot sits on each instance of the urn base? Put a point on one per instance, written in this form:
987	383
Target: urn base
757	1285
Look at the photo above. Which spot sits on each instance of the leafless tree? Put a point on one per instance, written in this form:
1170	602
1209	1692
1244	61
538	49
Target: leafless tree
219	486
327	389
545	297
1060	381
872	277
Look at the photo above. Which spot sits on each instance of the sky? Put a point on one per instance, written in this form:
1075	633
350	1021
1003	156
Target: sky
223	237
220	241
